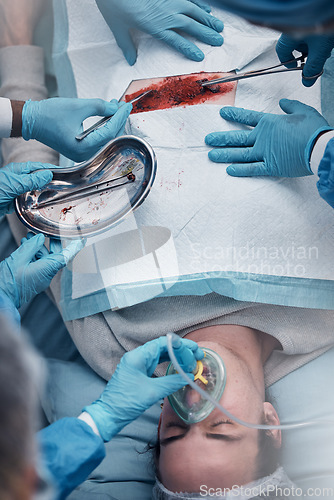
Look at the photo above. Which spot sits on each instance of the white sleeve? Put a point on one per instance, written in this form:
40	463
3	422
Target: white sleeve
6	117
89	420
319	150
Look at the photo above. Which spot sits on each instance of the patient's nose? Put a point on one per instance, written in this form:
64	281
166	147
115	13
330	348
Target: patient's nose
192	398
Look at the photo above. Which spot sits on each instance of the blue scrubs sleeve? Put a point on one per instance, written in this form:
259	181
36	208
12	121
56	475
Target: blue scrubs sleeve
71	451
325	183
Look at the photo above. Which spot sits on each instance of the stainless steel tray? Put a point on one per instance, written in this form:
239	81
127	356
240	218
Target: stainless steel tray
96	212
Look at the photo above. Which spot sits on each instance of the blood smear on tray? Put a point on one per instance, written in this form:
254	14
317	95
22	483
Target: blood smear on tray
184	90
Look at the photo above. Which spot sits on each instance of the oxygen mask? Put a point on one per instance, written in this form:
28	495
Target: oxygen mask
209	383
210	375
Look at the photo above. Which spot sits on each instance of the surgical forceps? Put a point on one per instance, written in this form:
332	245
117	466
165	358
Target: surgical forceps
89	190
104	120
263	71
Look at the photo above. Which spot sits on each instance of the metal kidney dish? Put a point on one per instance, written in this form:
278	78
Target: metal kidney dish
94	212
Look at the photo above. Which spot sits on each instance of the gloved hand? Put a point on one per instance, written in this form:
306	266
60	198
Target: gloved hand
30	269
317	48
163	19
279	145
131	390
19	178
57	121
325	183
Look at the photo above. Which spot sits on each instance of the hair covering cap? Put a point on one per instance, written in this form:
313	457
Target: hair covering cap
269	487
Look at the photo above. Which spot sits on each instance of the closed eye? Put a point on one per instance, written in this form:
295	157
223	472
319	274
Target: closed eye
224	437
178	425
185	428
222	422
175	425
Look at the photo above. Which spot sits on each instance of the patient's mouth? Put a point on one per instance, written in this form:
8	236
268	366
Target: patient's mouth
183	90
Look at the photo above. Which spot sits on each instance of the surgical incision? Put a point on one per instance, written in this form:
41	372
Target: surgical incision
182	90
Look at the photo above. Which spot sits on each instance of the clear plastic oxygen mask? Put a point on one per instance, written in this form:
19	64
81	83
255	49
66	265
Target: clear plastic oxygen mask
197	400
210	376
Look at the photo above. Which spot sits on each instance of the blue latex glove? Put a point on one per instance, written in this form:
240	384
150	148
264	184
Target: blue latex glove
30	269
56	122
163	19
317	48
279	145
325	183
131	390
19	178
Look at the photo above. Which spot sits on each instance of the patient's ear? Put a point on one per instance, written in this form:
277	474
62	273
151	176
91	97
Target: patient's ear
271	418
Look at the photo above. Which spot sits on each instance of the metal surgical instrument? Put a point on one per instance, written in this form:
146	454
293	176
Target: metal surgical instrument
89	190
105	119
261	72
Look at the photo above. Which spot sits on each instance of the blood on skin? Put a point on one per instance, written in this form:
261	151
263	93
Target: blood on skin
181	90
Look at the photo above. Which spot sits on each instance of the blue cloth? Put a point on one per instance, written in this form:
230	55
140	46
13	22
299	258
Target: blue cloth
325	183
287	13
71	451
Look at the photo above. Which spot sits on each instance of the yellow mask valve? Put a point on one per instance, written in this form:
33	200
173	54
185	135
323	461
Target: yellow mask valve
199	371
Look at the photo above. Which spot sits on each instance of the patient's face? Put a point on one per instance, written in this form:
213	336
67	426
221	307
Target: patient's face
215	452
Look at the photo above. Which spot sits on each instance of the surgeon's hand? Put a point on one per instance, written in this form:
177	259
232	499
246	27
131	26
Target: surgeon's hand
279	145
163	19
30	269
317	48
19	178
131	390
57	121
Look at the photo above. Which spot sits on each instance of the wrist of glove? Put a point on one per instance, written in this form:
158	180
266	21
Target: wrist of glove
311	143
30	119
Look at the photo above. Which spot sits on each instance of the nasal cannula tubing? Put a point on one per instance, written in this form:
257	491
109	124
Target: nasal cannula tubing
222	409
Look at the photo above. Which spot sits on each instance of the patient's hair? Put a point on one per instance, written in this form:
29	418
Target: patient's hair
18	370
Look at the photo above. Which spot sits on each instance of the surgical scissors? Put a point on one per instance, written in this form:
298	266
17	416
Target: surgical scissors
104	120
263	71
